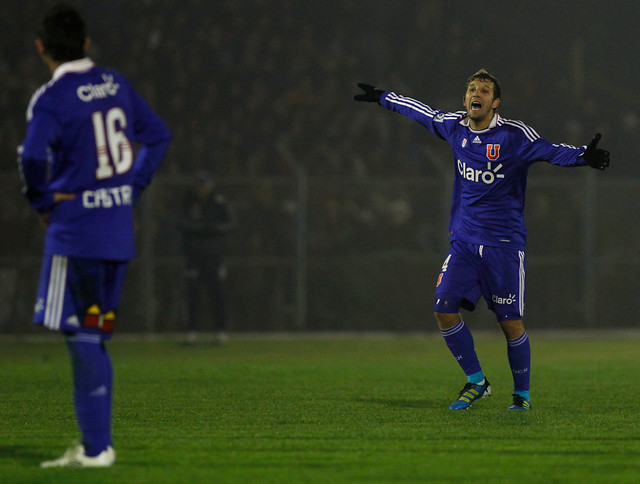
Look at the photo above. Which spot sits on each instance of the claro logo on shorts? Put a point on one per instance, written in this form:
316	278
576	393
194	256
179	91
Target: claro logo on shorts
504	300
487	176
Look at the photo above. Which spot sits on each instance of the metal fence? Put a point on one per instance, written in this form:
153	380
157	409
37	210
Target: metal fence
334	254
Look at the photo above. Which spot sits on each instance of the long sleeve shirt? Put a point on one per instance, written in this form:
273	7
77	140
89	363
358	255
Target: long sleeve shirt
91	135
490	170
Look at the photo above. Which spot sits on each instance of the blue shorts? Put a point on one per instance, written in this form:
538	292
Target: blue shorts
472	270
79	295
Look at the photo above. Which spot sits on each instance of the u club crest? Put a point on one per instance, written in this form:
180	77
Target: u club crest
493	151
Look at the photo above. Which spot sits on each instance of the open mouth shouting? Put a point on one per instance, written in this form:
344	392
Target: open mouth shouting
475	106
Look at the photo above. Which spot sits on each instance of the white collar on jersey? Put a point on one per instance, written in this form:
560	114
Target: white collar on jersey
80	65
492	124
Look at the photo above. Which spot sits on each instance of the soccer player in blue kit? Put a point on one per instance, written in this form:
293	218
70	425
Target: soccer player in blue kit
492	156
92	145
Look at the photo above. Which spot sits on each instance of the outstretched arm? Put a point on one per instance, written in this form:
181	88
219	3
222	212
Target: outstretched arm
438	122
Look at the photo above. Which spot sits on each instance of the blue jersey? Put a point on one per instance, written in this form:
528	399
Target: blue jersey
90	134
491	168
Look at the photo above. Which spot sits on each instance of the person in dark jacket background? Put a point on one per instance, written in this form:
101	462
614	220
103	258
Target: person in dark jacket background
205	224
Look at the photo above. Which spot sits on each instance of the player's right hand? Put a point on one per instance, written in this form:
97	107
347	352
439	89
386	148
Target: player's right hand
371	94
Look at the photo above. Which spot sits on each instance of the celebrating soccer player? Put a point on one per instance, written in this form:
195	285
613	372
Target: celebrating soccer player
491	156
82	175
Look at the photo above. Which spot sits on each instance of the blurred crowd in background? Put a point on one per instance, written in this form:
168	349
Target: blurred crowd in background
240	83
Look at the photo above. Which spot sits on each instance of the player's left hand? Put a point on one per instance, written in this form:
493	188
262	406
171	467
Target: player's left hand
57	198
61	196
596	157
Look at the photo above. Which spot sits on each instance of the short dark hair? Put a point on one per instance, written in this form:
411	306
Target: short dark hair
63	33
484	75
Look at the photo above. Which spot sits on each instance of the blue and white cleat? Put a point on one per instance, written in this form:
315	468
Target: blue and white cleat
520	403
470	393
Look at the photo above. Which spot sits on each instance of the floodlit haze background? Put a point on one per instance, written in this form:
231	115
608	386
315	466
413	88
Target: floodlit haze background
340	208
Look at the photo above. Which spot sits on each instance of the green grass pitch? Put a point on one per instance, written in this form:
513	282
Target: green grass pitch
343	409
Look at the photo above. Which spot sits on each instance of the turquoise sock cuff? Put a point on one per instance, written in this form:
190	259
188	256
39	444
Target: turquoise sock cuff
476	377
524	394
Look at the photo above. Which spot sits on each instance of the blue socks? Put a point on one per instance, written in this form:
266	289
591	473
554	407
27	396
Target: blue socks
519	354
460	343
93	383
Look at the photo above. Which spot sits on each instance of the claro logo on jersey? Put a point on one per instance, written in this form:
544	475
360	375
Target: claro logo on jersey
89	92
487	176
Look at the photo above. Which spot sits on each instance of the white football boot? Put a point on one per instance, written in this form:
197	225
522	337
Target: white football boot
75	457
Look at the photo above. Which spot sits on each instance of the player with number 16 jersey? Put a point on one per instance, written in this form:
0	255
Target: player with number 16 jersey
92	145
103	121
